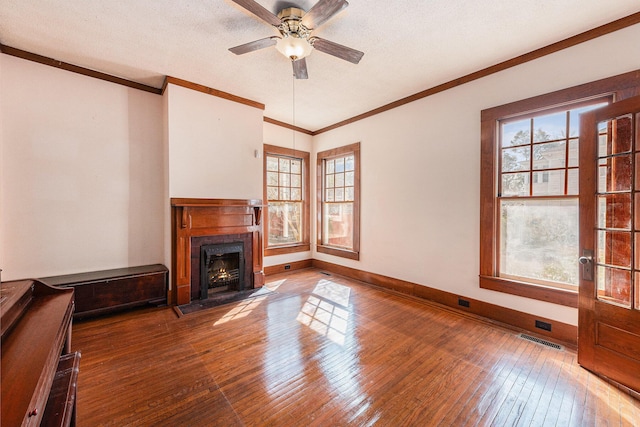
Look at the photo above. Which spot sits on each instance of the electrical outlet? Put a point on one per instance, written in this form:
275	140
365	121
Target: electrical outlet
287	266
463	302
543	325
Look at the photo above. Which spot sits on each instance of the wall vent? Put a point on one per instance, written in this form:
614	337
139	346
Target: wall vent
540	341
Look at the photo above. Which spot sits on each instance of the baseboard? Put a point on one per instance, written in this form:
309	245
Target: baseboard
287	267
562	332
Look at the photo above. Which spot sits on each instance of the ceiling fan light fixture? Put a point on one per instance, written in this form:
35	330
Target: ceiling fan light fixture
294	47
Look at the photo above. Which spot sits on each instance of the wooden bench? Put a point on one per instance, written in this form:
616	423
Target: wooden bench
101	292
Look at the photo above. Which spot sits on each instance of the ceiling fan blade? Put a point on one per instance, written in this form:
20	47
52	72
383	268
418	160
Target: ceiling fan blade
259	11
254	45
322	11
300	69
337	50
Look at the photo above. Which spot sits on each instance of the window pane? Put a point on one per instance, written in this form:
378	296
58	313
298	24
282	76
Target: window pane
516	133
272	193
338	227
330	181
339	195
573	152
549	155
516	159
296	181
284	165
272	163
350	163
539	239
285	223
284	179
339	180
339	165
329	166
272	178
515	184
550	126
572	184
574	120
329	195
348	178
296	194
548	183
296	166
349	194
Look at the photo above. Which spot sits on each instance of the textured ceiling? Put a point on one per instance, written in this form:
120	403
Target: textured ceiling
409	45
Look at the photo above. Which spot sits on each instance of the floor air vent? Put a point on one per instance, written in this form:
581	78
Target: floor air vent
540	341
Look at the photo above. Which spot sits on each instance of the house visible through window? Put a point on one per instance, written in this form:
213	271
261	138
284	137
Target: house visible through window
538	196
529	210
339	201
287	196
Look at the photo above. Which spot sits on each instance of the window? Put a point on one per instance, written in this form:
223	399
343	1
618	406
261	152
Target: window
287	194
339	201
529	191
538	196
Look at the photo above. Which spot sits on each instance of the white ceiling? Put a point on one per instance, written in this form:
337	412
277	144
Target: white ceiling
409	45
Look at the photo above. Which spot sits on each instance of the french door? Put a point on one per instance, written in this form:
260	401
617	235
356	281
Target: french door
609	295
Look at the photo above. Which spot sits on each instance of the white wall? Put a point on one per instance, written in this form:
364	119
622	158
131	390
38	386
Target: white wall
82	173
283	137
421	169
212	143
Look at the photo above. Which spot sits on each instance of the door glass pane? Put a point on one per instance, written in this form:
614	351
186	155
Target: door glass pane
539	239
614	211
637	291
615	136
615	174
614	248
614	285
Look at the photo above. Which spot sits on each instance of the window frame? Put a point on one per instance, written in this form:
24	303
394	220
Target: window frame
305	244
354	252
616	88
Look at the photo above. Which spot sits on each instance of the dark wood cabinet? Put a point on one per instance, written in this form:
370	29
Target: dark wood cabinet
101	292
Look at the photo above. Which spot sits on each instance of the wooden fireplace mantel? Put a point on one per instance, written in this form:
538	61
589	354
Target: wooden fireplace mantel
211	217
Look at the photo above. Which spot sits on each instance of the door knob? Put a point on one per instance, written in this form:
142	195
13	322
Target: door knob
586	260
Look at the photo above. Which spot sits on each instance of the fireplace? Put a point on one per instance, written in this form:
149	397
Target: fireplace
216	246
221	268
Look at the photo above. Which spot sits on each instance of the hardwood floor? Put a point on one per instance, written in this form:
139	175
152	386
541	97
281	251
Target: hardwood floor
327	351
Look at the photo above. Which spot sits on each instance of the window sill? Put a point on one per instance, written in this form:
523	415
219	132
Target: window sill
542	293
289	249
344	253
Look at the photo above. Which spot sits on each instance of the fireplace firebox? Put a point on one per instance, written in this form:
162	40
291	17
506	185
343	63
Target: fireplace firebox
221	268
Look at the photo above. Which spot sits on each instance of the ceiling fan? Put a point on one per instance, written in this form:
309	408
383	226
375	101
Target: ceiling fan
295	40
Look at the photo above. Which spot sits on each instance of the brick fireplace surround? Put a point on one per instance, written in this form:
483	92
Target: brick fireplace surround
191	218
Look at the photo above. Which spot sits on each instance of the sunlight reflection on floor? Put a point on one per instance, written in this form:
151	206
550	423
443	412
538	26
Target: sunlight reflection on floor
240	310
325	311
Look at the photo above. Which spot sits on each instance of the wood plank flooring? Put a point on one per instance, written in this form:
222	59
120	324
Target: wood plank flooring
328	351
